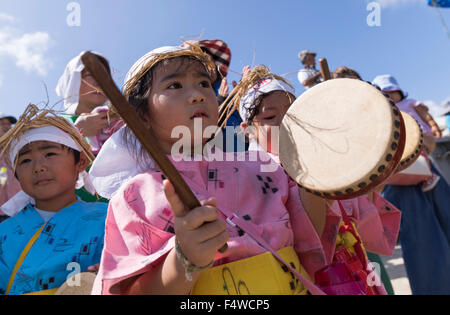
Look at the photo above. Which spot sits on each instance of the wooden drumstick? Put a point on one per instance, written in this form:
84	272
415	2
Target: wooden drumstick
145	137
324	69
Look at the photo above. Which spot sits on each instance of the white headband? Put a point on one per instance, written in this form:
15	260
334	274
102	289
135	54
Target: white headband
262	87
47	133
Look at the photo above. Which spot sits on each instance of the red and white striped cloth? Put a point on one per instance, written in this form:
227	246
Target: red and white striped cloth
220	52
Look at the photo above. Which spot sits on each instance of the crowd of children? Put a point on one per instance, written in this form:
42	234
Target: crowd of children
125	221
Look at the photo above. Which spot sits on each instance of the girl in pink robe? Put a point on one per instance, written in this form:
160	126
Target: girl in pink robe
142	230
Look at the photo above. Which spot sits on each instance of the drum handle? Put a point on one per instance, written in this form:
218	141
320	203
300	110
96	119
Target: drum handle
324	69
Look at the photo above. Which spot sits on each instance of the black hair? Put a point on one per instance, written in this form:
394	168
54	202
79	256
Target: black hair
76	155
254	108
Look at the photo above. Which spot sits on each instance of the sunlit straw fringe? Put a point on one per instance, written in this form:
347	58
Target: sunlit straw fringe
33	118
232	102
148	63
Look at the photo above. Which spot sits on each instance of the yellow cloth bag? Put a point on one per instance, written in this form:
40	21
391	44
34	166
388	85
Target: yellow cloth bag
259	275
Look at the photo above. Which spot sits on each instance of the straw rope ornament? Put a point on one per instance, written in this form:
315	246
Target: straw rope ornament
232	102
149	61
33	118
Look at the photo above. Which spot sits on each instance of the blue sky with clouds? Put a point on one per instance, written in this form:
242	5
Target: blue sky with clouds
36	42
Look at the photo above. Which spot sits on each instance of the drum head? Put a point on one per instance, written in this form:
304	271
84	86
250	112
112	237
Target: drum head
413	143
80	284
341	138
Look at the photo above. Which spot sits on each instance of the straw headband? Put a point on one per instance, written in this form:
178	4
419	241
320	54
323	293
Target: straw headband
36	125
260	81
152	58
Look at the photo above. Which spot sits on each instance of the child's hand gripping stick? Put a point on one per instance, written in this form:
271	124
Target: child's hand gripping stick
200	231
145	137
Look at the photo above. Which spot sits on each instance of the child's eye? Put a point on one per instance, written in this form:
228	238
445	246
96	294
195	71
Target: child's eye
270	117
50	154
205	84
175	85
24	161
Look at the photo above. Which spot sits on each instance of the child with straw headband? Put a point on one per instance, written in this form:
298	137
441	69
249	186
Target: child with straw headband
50	235
149	250
263	100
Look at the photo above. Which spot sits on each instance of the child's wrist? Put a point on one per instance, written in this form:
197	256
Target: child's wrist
189	267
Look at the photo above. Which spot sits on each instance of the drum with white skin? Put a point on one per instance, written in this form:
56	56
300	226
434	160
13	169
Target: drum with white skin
341	139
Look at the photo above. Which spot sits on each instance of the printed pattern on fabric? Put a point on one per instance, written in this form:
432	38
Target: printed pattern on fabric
139	223
74	235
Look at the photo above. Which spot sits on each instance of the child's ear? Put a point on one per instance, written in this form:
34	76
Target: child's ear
83	163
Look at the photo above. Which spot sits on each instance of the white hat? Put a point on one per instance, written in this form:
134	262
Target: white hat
148	57
68	87
264	86
387	83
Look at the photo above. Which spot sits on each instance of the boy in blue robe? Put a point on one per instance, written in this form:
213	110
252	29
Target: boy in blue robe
51	235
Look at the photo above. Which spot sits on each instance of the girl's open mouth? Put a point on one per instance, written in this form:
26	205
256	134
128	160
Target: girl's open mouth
199	114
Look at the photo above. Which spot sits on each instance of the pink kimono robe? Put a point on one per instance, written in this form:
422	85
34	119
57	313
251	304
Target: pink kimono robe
377	223
11	188
139	226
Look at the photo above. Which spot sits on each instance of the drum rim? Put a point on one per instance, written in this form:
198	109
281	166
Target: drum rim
371	181
410	159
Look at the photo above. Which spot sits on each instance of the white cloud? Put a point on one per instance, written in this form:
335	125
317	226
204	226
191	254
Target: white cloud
7	18
27	50
396	3
436	110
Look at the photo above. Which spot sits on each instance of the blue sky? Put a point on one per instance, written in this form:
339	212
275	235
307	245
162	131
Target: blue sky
36	42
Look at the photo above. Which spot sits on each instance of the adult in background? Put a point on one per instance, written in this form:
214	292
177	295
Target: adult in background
87	108
425	225
309	75
441	156
85	104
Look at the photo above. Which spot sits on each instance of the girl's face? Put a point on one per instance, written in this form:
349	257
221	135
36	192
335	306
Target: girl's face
396	96
48	173
271	113
181	92
89	98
